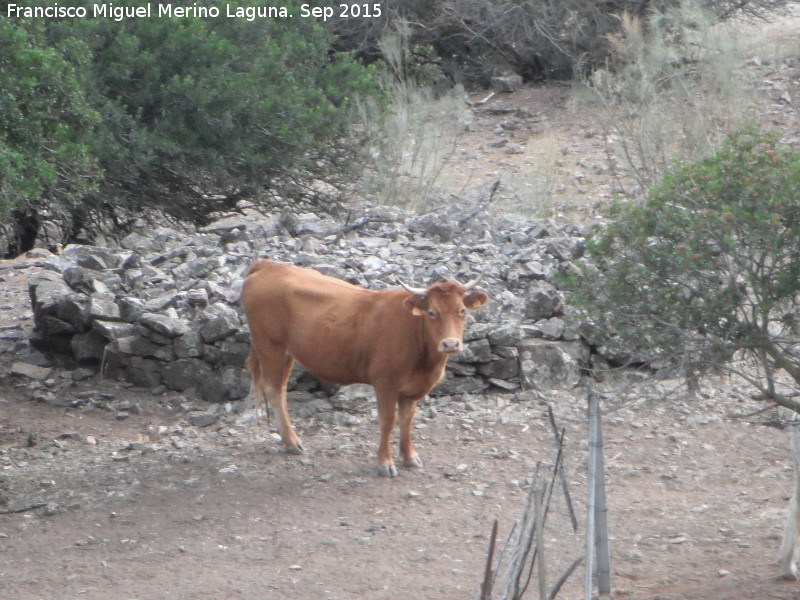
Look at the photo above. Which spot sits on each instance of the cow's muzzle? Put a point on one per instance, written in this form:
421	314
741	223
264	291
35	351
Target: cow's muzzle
450	346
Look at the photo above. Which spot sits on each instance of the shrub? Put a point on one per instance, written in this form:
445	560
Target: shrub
407	137
708	266
673	88
46	125
471	40
196	113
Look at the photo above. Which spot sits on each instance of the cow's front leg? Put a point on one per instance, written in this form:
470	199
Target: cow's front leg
407	410
387	417
277	366
277	398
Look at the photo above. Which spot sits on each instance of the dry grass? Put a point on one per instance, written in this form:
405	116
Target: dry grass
411	140
678	85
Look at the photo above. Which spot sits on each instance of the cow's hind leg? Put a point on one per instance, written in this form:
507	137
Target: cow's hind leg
256	395
269	369
387	417
407	410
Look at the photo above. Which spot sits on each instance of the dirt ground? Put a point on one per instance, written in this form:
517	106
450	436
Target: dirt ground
107	491
133	502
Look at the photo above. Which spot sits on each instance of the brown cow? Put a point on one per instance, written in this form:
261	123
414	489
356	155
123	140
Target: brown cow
396	340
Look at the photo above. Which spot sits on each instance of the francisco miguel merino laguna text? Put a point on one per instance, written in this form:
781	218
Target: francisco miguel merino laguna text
118	13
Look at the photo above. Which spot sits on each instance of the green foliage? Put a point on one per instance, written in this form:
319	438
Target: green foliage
45	124
180	115
217	105
707	265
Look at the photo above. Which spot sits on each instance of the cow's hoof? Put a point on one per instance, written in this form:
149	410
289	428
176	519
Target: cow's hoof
298	449
413	464
390	471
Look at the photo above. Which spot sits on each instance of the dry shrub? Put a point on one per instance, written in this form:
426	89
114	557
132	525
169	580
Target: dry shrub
408	142
471	40
673	88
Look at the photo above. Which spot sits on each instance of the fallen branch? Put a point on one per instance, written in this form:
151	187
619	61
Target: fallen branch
11	511
563	579
23	266
482	102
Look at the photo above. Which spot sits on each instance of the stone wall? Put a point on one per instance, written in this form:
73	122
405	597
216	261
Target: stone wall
161	308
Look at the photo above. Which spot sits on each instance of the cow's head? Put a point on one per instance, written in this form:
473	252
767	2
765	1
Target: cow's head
444	307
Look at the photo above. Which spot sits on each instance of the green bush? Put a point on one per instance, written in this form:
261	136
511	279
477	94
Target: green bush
194	113
46	127
707	266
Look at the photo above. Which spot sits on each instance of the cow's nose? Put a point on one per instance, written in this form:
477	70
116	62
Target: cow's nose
450	345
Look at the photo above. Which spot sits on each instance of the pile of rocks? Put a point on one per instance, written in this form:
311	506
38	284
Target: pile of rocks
162	309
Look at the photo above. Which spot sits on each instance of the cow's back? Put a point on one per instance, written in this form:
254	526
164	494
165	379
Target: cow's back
327	324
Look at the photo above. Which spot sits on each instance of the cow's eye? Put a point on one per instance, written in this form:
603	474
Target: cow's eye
462	313
433	314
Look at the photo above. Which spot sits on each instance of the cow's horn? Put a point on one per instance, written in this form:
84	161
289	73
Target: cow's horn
473	282
413	290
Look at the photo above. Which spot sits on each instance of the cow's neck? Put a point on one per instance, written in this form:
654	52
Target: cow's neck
430	358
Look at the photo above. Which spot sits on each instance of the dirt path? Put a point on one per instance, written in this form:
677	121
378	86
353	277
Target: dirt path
696	502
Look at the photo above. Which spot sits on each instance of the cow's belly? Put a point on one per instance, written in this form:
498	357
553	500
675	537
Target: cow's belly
339	367
332	367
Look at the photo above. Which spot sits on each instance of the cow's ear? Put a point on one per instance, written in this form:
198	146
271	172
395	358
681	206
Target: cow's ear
475	299
417	305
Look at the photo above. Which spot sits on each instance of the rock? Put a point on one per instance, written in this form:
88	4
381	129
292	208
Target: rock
197	297
202	418
83	373
549	364
508	334
479	351
506	386
233	353
31	371
93	257
542	302
146	372
565	248
141	346
552	328
223	322
352	397
501	368
236	382
459	385
188	345
88	346
164	325
80	279
186	373
52	297
113	330
131	309
433	226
